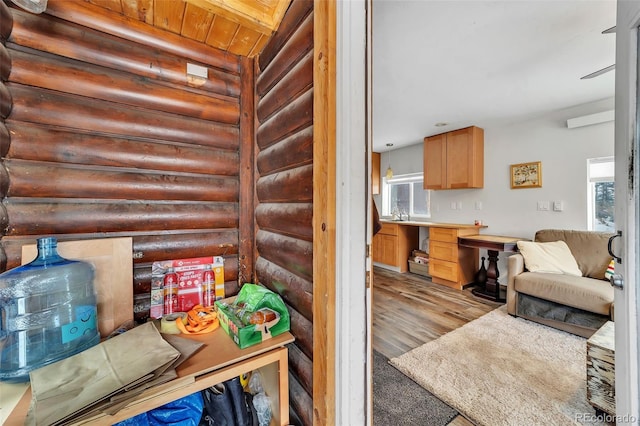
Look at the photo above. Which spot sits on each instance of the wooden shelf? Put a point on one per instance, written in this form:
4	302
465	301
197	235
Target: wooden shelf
219	360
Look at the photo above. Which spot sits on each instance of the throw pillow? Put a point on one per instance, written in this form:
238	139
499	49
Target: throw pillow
610	270
553	257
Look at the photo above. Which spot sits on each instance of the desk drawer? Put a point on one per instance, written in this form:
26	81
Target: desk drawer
389	229
443	269
447	235
443	251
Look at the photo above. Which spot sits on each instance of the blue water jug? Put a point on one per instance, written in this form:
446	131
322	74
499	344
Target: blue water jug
48	311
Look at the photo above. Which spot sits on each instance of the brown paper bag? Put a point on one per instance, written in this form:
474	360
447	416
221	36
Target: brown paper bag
71	385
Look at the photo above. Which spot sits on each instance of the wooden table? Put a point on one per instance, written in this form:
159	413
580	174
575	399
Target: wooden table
219	360
601	386
490	289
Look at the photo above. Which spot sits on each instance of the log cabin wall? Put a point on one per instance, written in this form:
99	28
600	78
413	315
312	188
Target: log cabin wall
284	189
103	137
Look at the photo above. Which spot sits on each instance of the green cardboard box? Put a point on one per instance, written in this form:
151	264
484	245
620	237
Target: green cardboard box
252	298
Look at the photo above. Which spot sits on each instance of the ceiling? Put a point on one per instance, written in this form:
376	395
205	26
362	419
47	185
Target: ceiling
484	63
238	26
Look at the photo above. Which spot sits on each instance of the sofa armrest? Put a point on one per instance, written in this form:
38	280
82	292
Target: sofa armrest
515	266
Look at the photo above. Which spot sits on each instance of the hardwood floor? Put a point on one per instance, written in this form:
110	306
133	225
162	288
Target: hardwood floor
409	310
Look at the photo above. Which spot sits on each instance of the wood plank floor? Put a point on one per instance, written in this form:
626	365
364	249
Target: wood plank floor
409	310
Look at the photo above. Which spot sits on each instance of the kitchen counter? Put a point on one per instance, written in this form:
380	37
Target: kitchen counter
433	224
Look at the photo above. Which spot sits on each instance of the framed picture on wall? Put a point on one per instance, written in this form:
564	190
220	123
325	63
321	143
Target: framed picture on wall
526	175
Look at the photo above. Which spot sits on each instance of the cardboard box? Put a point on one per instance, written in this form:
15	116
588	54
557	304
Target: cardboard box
188	276
419	268
246	335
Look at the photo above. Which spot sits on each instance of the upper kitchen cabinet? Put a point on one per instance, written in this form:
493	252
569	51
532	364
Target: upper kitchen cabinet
454	160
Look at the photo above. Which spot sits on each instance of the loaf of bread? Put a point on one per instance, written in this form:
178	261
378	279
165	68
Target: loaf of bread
261	316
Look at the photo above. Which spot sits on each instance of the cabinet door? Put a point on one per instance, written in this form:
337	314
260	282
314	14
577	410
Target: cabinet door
389	250
435	159
465	157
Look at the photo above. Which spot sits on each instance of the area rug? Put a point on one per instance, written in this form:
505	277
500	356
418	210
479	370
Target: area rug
500	370
398	400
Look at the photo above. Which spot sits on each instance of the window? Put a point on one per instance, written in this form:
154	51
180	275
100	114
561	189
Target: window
404	195
601	193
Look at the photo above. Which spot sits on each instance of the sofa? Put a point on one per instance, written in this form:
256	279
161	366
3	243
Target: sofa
578	302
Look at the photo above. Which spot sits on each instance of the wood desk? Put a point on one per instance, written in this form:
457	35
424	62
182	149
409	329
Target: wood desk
219	360
493	244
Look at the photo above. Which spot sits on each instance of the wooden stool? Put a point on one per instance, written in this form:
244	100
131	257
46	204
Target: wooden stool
601	388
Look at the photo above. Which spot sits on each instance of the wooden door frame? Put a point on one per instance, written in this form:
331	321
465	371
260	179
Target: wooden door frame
324	211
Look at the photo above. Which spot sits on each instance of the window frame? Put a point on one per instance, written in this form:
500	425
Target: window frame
591	189
413	179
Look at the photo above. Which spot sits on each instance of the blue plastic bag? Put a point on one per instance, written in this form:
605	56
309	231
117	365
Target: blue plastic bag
185	411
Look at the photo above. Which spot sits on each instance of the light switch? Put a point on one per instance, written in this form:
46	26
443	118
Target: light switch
453	205
558	206
543	205
459	205
478	205
197	70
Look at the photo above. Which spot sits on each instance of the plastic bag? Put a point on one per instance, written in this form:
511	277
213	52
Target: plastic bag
185	411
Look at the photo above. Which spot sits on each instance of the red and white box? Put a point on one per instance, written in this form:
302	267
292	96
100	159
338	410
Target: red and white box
193	277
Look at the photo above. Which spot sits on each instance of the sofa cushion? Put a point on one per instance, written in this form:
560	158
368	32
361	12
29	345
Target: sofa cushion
588	247
579	292
552	258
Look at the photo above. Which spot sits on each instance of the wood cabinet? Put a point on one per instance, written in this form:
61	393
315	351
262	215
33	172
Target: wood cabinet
392	246
218	360
454	160
450	264
375	173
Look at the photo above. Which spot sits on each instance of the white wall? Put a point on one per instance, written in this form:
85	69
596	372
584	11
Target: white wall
513	212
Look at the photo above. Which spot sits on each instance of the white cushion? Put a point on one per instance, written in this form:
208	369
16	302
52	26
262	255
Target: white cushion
553	257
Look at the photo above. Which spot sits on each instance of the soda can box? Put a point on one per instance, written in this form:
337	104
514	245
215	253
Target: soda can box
256	314
178	285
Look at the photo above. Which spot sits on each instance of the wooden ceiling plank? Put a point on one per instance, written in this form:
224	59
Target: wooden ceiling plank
241	12
257	48
243	41
222	32
168	15
142	10
196	22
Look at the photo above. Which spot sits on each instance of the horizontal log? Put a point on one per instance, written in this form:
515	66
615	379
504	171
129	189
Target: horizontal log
293	151
298	10
296	291
6	21
302	329
5	139
300	402
294	83
295	48
290	219
121	26
4	179
71	111
115	86
41	32
301	366
292	118
5	63
31	141
153	248
45	180
6	103
289	253
150	247
289	185
29	217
